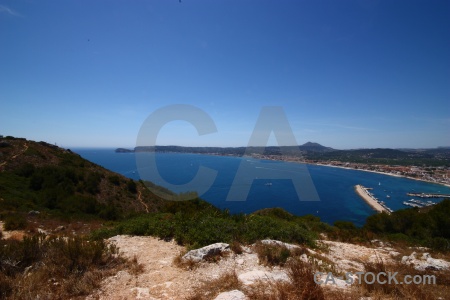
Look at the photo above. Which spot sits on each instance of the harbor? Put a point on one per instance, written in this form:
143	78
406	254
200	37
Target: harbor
418	203
370	199
428	195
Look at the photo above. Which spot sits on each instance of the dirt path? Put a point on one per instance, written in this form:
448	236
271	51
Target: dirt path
161	279
142	202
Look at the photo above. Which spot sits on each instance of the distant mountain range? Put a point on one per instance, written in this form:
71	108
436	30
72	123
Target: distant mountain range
316	152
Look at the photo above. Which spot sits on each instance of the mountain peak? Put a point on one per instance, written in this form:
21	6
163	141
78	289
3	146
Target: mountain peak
315	147
312	144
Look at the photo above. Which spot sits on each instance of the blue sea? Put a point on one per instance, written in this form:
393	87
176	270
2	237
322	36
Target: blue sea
336	198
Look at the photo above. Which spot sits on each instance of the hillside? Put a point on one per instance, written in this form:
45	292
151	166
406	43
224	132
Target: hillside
41	182
37	176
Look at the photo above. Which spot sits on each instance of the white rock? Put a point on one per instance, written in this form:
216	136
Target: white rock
426	262
279	243
335	282
42	231
426	255
438	264
231	295
202	253
141	293
394	253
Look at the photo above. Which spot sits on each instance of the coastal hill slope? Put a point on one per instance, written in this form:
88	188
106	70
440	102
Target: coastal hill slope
37	176
237	151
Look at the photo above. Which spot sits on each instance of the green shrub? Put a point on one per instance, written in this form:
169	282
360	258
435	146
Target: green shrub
439	244
114	179
131	186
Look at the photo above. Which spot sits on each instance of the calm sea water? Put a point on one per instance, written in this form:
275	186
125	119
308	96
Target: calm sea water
335	186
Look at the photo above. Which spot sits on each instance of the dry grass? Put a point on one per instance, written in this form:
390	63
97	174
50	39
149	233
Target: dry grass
185	264
56	268
210	289
440	290
323	264
134	267
301	285
275	255
236	247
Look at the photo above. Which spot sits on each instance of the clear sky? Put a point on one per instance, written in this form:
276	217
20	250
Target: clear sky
348	74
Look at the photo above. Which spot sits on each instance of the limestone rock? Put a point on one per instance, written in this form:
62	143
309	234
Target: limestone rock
281	244
231	295
200	254
426	262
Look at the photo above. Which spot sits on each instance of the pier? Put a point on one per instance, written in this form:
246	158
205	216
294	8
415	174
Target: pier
371	200
429	195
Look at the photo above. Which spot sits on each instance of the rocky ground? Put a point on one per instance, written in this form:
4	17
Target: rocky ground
162	279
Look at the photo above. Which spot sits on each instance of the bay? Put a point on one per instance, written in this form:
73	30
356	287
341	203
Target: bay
334	186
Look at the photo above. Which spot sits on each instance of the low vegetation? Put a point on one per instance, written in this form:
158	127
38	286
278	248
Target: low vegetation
428	227
37	176
196	224
41	267
300	285
275	255
209	289
426	290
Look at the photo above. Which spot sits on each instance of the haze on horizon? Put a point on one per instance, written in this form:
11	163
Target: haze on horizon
353	74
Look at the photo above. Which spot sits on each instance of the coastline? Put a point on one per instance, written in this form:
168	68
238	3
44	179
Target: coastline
362	192
317	164
382	173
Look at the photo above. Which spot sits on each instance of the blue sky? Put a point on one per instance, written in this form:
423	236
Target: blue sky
348	74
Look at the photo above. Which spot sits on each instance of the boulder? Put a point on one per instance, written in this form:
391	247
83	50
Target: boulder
426	262
231	295
42	231
60	228
200	254
279	243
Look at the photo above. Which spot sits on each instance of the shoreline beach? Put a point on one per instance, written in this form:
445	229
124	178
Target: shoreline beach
362	192
382	173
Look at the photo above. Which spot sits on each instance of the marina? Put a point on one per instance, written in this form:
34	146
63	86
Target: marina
418	203
428	195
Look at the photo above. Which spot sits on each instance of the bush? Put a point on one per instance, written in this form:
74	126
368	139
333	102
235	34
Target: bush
75	266
275	255
114	179
439	244
15	222
208	225
131	185
300	285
